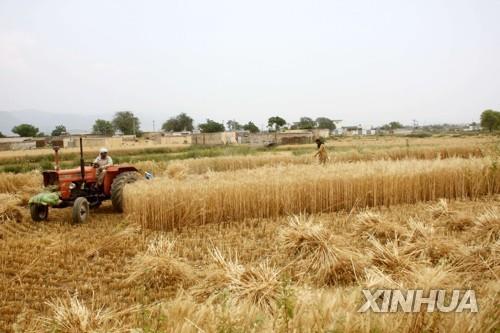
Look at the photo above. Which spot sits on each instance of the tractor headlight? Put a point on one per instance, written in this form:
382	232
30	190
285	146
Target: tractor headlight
72	186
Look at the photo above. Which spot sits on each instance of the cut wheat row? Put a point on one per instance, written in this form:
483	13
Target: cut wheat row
166	203
231	163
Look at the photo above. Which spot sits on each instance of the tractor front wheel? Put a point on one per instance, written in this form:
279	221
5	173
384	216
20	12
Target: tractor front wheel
80	210
39	212
117	188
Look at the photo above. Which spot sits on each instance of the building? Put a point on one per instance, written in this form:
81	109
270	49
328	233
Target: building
320	133
295	137
17	143
181	138
95	141
352	130
219	138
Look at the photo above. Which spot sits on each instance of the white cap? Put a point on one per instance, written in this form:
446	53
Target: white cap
103	150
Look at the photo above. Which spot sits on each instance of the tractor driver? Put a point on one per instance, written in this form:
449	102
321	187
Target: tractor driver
101	163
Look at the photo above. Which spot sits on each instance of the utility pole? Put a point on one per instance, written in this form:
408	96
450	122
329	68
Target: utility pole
153	125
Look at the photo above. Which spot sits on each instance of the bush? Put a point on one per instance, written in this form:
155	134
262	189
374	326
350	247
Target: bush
419	135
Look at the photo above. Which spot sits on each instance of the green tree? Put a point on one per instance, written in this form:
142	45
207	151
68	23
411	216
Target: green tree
211	127
233	125
490	119
323	122
395	125
59	130
251	127
306	123
276	123
1	135
179	123
103	127
392	126
126	122
25	130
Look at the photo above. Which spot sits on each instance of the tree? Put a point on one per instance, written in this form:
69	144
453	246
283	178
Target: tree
392	126
306	123
126	122
25	130
59	130
103	127
490	119
323	122
275	123
233	125
251	127
179	123
1	135
211	127
395	125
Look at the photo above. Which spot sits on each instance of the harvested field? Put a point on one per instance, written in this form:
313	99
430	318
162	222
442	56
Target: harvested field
270	242
248	275
277	191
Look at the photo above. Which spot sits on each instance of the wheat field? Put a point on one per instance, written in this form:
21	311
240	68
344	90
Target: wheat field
262	243
232	163
277	191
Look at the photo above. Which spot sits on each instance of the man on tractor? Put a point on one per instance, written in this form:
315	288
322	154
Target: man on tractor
101	163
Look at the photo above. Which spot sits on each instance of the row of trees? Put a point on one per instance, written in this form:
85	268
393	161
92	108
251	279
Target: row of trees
127	123
183	122
124	121
28	130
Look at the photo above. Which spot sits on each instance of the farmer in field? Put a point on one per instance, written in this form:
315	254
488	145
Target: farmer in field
101	163
321	153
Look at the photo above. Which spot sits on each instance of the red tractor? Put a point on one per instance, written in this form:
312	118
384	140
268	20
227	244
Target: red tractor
78	188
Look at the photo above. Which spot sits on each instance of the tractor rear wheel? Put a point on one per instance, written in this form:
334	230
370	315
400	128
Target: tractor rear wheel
80	210
39	212
117	188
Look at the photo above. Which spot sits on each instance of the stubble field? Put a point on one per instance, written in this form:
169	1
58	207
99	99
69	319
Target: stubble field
269	242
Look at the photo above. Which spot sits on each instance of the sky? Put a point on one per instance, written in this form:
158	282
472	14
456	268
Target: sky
365	62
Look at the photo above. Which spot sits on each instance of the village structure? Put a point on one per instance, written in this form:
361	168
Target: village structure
282	137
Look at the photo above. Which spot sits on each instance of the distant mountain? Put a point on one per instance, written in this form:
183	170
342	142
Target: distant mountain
47	121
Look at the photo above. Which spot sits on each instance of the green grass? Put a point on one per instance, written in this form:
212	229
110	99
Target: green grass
69	160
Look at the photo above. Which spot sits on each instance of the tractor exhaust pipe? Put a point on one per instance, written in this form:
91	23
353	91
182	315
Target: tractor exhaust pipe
82	163
56	157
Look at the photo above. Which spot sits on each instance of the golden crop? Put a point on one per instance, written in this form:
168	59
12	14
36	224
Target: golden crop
275	191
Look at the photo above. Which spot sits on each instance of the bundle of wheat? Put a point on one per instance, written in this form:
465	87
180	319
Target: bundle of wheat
275	191
20	182
9	208
487	226
459	222
393	258
369	224
72	315
159	266
317	254
439	209
257	285
115	241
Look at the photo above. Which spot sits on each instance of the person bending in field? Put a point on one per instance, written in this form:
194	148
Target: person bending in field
321	153
101	163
